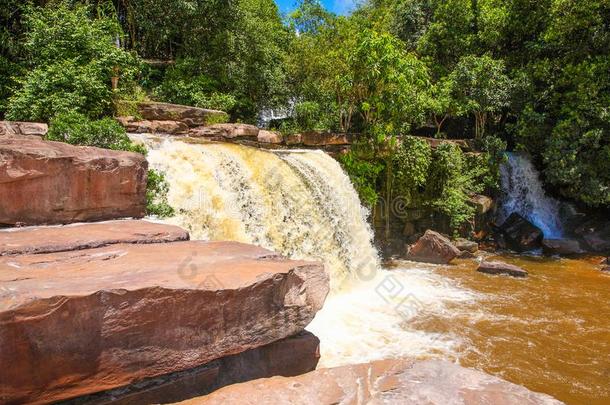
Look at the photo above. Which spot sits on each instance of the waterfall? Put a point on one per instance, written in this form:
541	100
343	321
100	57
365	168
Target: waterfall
298	203
522	192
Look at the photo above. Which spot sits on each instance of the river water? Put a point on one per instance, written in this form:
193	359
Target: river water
549	332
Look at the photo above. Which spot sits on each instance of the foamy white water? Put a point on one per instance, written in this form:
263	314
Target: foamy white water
302	205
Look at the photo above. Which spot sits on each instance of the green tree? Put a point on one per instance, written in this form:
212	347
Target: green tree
71	58
482	88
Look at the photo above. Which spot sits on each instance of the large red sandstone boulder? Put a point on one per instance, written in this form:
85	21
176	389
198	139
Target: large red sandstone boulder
73	323
14	128
392	382
191	116
33	240
44	182
497	267
432	247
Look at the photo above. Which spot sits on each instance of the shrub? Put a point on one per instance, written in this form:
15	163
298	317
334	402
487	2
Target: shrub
364	175
75	128
156	195
411	165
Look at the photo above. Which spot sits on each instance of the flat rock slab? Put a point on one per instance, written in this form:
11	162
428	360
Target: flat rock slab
397	382
49	239
15	128
496	268
43	182
74	323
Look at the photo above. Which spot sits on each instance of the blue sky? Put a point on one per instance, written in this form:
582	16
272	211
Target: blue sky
336	6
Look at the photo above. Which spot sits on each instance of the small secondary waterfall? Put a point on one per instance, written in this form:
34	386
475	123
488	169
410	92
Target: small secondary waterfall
523	193
298	203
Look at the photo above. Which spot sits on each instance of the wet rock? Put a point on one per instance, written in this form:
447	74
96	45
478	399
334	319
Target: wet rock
432	247
269	137
191	116
464	254
562	247
496	267
396	381
228	131
605	269
466	245
35	240
596	235
99	319
15	128
54	183
324	138
519	234
288	357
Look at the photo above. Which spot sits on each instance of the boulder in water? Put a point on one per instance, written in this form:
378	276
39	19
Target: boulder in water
392	381
74	323
562	247
466	245
596	235
432	247
519	234
496	267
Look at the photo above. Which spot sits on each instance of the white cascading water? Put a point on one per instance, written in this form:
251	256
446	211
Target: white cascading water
302	205
523	193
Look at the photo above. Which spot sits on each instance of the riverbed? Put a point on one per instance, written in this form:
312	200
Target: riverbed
549	332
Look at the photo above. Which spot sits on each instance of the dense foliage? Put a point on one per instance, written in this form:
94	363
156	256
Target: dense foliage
530	75
69	59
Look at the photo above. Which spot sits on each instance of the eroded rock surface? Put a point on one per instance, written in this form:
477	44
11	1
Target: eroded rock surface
43	182
397	382
33	240
74	323
433	247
